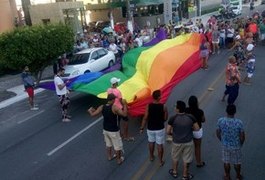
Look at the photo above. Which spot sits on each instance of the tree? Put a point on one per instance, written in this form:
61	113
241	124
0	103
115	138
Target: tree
35	46
25	7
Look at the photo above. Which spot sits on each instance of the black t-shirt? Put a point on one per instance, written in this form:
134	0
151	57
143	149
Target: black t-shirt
156	116
182	127
197	113
110	122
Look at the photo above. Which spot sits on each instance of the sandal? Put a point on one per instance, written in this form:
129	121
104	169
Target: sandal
129	139
113	157
190	176
162	163
200	165
121	160
174	175
152	158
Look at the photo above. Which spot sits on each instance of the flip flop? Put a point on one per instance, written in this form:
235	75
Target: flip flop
122	159
113	157
190	176
152	158
162	163
174	175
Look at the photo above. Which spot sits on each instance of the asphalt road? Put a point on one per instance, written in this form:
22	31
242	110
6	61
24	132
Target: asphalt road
36	145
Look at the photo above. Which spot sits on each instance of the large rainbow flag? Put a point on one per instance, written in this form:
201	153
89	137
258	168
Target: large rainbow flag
147	69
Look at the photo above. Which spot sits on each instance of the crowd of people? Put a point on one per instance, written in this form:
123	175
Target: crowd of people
240	35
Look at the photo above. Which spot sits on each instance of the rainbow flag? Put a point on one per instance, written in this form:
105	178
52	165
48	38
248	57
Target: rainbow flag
147	69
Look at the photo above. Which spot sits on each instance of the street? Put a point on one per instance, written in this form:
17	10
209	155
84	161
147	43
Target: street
36	145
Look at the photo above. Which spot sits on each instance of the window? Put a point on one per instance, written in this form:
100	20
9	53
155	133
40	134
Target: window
94	55
79	59
102	52
46	21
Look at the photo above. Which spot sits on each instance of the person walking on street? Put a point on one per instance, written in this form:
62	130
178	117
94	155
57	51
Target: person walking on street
231	133
204	53
155	115
28	82
111	129
251	59
181	127
194	110
62	92
233	78
114	90
215	40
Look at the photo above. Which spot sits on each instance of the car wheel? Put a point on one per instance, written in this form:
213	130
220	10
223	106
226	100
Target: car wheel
111	63
87	71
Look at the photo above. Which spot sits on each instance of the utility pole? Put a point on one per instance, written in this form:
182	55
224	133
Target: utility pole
129	16
25	7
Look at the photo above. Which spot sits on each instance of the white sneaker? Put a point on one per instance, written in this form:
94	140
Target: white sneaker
34	108
66	120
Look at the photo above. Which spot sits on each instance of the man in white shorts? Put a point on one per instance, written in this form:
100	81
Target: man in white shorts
155	116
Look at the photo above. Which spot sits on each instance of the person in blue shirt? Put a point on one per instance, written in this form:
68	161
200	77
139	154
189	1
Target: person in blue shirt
231	133
28	82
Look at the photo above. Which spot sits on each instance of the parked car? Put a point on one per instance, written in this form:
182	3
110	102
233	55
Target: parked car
236	10
89	60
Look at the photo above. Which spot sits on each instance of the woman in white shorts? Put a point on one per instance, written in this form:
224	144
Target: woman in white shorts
194	110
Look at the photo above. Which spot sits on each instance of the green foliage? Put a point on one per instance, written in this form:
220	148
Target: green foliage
35	46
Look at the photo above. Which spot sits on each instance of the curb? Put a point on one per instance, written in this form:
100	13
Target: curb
18	97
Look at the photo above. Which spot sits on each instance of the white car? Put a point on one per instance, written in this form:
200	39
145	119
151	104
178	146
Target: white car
89	60
237	10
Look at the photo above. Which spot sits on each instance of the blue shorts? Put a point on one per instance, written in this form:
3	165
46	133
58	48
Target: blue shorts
233	156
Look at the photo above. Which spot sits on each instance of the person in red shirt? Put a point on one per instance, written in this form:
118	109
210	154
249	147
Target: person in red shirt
253	28
232	79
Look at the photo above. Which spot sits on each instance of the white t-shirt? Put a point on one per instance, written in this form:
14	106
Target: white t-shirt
58	81
139	42
230	32
113	47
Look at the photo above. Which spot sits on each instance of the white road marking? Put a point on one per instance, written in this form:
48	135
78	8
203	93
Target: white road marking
28	118
73	137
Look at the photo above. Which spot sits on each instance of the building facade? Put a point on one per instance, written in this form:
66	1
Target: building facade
70	13
8	15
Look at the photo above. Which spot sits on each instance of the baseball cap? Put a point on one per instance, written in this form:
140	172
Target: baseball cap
110	97
114	80
250	47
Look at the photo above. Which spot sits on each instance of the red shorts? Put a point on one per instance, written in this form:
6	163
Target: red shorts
30	91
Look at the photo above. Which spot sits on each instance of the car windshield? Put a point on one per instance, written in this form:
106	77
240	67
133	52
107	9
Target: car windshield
79	59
